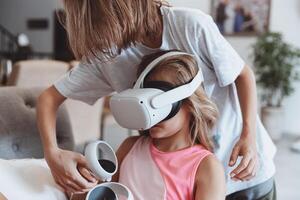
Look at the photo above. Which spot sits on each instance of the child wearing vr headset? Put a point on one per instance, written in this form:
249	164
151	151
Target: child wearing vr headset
173	159
111	37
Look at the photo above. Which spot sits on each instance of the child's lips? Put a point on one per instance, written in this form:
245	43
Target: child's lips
159	125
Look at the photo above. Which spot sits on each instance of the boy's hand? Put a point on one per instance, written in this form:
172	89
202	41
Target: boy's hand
87	174
63	165
245	147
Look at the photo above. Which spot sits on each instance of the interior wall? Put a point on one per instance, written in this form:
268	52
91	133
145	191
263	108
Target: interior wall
15	13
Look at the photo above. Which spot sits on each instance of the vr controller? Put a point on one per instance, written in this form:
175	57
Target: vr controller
103	163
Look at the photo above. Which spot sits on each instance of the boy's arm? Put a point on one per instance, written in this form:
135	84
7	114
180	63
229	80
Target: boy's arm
47	106
121	153
210	180
2	197
62	163
246	146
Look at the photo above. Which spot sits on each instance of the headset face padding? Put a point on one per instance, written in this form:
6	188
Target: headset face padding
164	86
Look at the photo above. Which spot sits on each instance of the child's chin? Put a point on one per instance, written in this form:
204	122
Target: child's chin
155	134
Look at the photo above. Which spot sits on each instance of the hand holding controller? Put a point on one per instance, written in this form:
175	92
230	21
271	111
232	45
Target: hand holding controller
103	163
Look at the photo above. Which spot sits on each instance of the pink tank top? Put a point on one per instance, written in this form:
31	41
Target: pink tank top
152	174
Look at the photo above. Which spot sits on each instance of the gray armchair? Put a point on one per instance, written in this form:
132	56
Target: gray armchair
85	120
19	136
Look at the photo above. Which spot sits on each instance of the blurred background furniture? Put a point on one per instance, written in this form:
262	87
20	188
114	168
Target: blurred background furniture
19	136
85	119
20	143
28	179
37	73
106	113
5	70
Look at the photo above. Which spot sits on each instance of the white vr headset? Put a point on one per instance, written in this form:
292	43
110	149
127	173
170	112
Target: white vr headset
147	104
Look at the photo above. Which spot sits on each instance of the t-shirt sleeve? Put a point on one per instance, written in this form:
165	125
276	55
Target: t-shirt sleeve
85	82
218	54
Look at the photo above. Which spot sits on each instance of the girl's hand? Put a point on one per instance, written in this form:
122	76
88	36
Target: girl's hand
245	147
63	165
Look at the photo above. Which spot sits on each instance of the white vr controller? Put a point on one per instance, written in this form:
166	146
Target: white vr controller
141	108
103	162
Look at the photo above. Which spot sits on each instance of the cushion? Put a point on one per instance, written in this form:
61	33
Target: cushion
28	179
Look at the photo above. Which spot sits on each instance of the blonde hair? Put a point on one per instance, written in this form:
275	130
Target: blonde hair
104	28
181	69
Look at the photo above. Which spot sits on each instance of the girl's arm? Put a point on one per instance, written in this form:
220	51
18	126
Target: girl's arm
121	153
210	180
246	146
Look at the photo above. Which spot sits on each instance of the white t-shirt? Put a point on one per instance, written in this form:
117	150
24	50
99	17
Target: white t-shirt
194	32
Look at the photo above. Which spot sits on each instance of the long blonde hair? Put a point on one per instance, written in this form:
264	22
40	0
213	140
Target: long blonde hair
103	28
178	70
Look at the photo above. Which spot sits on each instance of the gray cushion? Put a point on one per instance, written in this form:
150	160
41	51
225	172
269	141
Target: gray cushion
19	136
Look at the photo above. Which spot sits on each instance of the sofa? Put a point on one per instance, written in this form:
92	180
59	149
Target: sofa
19	136
24	174
33	73
85	119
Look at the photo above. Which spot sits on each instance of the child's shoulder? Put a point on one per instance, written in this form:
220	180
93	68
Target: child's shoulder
132	139
210	179
210	167
129	142
126	146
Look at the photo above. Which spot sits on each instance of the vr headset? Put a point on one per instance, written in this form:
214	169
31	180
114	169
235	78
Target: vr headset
149	103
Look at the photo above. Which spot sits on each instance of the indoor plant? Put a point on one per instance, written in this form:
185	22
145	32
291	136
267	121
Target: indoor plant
275	63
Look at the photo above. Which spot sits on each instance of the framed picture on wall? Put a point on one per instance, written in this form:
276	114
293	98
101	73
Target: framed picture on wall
241	17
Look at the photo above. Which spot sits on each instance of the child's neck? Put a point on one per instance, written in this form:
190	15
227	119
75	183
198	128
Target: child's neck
175	142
